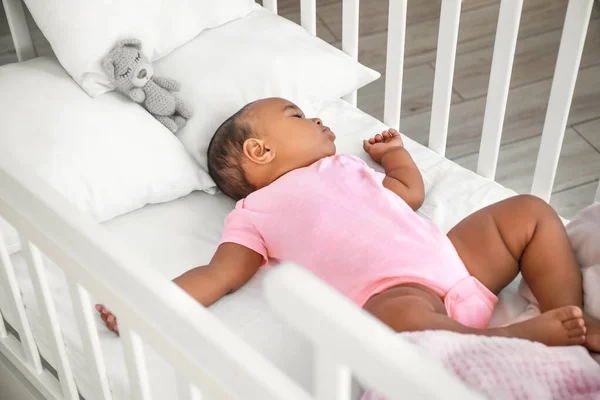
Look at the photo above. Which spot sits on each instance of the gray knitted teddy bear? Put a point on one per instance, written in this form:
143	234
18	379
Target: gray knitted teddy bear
132	74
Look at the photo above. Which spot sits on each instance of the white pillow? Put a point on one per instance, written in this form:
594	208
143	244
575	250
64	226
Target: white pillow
107	155
82	32
260	55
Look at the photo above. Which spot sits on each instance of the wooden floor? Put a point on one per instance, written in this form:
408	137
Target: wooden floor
541	24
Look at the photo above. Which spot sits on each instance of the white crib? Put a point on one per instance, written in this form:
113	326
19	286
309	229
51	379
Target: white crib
156	312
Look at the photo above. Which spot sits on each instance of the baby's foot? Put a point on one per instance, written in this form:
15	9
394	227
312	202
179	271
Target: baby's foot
592	336
563	326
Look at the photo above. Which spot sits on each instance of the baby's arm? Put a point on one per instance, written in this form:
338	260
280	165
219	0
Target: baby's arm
402	174
230	268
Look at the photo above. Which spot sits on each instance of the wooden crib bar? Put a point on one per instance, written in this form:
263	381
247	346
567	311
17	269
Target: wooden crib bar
89	335
563	84
308	15
43	295
3	331
333	381
270	5
17	23
444	75
186	390
9	282
136	364
497	97
350	28
394	64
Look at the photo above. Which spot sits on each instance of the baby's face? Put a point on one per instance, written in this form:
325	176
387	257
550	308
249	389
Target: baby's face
298	140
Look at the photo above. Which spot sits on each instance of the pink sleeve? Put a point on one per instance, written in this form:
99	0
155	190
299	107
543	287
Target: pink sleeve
239	229
378	175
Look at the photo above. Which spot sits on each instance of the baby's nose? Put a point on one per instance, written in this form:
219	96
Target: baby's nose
317	121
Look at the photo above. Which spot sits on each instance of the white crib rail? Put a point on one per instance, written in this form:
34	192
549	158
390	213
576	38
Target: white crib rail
563	84
17	23
89	335
350	20
37	272
394	64
444	75
270	5
497	97
184	333
308	15
347	337
9	282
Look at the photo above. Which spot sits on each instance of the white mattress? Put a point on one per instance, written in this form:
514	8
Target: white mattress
175	236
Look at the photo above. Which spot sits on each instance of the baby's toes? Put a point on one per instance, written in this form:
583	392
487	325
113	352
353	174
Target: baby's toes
378	138
386	134
575	327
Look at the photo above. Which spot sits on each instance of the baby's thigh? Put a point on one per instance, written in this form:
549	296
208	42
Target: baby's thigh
490	241
405	307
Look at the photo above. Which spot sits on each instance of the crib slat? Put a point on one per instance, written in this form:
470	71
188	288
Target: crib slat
29	348
89	336
444	75
270	5
350	18
597	200
394	64
308	15
136	363
187	391
333	381
49	318
3	332
561	94
17	23
495	106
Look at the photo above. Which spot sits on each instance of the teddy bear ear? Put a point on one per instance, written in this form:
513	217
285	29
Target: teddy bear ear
108	64
131	42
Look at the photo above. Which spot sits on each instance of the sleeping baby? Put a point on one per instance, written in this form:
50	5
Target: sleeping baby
357	230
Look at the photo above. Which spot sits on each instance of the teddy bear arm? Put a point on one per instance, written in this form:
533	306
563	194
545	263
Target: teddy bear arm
137	95
167	83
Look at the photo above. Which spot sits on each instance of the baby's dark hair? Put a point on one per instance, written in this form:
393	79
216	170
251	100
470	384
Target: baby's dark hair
225	153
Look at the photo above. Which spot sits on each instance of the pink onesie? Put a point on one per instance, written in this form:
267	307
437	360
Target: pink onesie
336	219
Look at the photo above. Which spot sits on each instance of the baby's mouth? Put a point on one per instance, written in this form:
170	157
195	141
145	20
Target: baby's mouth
329	132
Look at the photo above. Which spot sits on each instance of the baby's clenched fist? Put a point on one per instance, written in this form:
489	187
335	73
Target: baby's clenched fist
380	144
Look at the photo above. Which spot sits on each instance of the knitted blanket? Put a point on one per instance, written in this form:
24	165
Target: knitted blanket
506	368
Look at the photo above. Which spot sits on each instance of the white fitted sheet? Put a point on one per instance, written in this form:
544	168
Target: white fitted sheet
176	236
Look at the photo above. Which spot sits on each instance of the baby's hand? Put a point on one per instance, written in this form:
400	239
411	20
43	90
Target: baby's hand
380	144
108	318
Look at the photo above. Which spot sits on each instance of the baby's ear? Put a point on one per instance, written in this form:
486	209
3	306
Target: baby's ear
258	151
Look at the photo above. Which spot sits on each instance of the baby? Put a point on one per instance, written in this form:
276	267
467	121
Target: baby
357	230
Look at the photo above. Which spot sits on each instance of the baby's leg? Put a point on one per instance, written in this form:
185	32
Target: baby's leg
412	307
524	233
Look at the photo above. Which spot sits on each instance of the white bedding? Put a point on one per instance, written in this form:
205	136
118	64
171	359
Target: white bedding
173	237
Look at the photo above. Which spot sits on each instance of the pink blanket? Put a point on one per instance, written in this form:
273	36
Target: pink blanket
503	368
